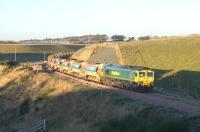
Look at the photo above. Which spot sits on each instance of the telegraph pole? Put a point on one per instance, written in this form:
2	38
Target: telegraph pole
15	54
44	56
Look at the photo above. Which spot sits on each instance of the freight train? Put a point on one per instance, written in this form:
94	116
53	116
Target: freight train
127	77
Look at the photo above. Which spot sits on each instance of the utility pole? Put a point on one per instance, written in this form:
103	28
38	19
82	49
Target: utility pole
15	54
44	56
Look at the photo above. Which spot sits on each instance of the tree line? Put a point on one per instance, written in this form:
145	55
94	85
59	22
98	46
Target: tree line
86	39
70	40
8	42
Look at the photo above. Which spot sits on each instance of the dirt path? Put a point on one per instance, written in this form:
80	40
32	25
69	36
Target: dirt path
119	55
190	107
105	55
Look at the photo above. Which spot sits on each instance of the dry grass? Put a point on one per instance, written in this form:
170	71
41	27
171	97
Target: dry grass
83	54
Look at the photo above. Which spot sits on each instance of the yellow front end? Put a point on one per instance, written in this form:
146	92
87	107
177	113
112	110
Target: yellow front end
65	69
144	78
93	76
57	67
76	72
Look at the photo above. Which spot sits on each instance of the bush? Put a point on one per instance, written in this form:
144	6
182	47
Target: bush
144	38
118	37
24	107
136	123
9	63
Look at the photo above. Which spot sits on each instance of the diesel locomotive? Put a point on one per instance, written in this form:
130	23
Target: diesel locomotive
127	77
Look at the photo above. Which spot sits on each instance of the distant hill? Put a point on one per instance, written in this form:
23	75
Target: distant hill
69	40
8	42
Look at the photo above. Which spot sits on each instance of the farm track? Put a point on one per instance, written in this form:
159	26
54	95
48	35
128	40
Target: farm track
105	55
187	106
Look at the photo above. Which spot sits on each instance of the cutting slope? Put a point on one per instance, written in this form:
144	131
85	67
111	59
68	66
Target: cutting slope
100	53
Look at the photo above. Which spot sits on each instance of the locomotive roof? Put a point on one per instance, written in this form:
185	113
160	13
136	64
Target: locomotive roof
126	67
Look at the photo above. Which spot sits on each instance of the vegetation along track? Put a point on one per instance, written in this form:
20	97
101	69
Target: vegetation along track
190	107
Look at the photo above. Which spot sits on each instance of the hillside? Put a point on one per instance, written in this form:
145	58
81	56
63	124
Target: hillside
69	40
175	61
28	95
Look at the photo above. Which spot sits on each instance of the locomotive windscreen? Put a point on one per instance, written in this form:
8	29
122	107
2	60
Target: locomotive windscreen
76	66
65	64
91	68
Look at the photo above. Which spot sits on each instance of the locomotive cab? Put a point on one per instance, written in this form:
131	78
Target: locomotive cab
144	78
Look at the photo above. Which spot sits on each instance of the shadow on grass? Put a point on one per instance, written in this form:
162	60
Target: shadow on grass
184	83
86	109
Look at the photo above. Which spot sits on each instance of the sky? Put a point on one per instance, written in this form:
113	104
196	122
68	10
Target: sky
40	19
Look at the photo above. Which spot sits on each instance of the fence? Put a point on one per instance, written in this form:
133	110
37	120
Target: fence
24	57
33	53
35	127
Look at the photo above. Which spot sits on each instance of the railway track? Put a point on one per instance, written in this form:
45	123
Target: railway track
190	107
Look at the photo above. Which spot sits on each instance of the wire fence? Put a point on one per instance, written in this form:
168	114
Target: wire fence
179	85
24	57
30	53
39	126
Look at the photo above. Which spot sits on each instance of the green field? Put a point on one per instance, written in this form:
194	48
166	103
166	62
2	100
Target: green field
175	60
29	53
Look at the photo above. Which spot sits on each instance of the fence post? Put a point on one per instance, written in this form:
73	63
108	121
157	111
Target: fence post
44	124
35	127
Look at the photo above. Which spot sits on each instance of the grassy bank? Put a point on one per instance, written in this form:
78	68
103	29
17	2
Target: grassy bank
28	95
176	62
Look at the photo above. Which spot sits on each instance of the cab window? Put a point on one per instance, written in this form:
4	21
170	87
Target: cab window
150	74
141	74
65	64
58	62
136	75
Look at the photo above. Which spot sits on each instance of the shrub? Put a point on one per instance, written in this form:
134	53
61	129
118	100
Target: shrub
144	38
9	63
118	38
24	107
